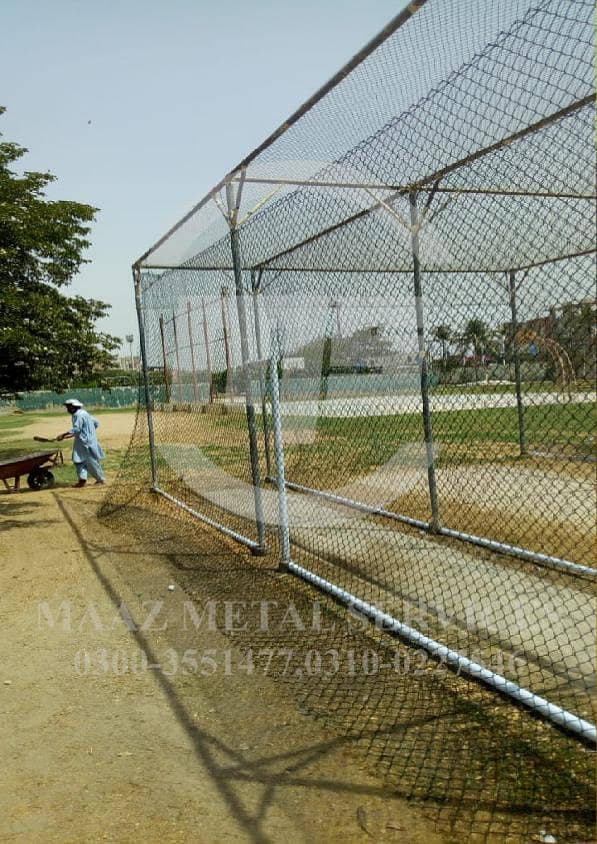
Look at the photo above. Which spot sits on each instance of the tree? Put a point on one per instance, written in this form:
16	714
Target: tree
443	333
47	339
575	331
477	335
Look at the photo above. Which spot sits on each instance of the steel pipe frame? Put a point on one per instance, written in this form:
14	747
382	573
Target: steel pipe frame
283	517
146	390
577	727
415	223
255	547
164	358
420	184
256	289
522	440
368	186
561	718
226	338
544	560
177	354
553	713
265	267
427	183
233	206
207	352
192	350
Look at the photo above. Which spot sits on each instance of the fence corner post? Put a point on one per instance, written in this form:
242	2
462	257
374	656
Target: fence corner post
244	348
284	524
423	366
256	290
146	390
522	440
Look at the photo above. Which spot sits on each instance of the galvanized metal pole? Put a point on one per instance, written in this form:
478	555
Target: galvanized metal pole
229	373
244	348
175	333
326	359
284	524
423	367
255	283
545	560
192	350
579	728
164	358
516	355
207	353
144	367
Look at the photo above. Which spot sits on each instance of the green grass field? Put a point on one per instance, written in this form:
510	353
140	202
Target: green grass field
356	444
527	387
331	448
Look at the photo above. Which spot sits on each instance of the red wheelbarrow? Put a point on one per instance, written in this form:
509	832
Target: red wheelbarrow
35	466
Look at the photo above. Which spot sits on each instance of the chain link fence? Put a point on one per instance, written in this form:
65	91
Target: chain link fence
372	346
90	396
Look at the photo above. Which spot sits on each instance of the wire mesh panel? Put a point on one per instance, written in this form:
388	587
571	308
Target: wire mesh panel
200	430
412	257
359	496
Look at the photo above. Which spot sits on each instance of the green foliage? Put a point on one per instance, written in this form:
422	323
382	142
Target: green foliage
219	380
576	333
47	339
477	335
443	333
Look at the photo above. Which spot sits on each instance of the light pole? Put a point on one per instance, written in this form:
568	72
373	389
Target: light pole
129	340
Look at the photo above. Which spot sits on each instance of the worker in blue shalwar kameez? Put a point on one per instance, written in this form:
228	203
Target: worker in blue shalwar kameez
87	452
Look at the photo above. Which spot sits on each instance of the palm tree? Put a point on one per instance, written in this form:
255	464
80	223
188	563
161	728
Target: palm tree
443	333
478	335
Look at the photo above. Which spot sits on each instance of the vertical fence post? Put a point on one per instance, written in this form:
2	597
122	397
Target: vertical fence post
516	355
175	333
229	373
244	349
192	350
423	365
326	360
255	284
207	353
144	367
165	359
284	527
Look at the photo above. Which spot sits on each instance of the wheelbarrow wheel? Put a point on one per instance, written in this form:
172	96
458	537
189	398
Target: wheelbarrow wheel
40	479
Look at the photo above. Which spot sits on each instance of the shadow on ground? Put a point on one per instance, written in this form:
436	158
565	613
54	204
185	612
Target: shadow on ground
20	504
233	767
478	767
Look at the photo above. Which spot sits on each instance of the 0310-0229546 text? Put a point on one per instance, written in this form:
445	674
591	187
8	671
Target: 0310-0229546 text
275	661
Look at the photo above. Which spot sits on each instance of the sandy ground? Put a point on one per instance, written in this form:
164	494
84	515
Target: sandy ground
105	736
96	749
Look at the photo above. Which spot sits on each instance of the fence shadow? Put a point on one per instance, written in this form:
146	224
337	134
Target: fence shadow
478	767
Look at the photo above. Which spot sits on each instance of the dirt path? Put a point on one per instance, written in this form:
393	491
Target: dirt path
97	746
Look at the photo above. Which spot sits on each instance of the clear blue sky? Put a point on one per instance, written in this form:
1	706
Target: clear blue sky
177	92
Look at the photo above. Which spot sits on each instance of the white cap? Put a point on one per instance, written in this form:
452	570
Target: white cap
73	403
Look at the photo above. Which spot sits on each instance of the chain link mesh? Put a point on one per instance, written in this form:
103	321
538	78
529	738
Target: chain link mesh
416	262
